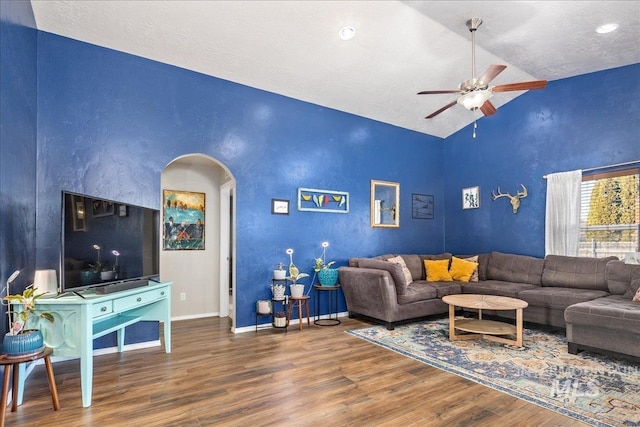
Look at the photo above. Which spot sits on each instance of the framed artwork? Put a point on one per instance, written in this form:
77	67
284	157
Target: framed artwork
183	219
312	199
471	198
79	213
102	208
422	206
279	207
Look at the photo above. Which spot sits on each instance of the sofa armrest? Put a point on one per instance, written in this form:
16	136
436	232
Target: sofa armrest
369	291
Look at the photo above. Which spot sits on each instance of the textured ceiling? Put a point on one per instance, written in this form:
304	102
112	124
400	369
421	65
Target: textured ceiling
401	47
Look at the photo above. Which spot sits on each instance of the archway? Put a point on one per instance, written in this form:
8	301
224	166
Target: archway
202	278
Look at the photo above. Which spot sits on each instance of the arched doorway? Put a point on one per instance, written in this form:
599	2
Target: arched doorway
203	280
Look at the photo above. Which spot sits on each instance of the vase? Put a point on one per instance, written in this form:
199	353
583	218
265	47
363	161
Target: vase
25	343
297	291
107	275
278	292
328	276
89	277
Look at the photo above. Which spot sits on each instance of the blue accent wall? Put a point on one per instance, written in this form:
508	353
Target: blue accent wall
110	122
91	120
18	91
582	122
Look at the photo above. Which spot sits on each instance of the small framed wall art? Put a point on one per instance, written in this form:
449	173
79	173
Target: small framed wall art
471	198
279	207
422	206
312	199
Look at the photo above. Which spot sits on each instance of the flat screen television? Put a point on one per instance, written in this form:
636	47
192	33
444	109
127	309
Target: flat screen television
106	242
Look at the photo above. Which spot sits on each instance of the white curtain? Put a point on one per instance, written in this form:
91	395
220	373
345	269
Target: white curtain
562	223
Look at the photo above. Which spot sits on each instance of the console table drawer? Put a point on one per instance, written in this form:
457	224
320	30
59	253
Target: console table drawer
102	308
122	304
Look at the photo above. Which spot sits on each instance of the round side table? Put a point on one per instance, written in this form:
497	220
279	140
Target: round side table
8	363
332	305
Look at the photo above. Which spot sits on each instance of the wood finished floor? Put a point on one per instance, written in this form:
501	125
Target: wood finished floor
317	376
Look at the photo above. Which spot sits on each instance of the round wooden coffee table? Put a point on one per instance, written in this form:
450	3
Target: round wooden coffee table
480	328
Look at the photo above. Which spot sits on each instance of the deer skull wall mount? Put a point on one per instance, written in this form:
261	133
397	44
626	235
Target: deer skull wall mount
514	200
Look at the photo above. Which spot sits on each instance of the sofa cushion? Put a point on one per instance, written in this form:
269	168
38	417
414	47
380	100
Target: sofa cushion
447	288
632	291
400	261
613	312
395	270
462	270
619	276
414	264
474	276
559	298
495	287
515	268
418	291
575	272
444	255
437	270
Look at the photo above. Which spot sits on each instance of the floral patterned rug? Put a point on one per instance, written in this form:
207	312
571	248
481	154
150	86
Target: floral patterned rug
595	389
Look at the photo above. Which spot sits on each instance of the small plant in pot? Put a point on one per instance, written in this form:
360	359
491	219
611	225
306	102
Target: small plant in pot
21	341
327	276
297	290
279	273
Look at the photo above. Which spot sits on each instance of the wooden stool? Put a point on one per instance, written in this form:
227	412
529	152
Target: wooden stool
303	300
8	362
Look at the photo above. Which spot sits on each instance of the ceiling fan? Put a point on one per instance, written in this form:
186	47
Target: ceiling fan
475	92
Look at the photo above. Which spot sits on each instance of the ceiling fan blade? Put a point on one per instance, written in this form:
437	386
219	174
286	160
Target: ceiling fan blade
536	84
491	73
488	109
446	107
434	92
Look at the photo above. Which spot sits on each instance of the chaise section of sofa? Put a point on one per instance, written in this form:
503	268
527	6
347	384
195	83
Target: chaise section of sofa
612	322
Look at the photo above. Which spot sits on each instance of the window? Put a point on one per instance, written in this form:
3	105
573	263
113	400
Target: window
610	214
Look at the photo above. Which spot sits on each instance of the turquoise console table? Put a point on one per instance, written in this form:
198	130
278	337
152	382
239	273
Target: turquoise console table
78	321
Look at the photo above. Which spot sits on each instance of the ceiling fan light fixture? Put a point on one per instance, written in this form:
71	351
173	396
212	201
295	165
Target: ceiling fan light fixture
474	100
606	28
346	33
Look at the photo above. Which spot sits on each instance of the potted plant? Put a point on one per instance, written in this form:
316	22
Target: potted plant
21	341
280	273
297	290
327	276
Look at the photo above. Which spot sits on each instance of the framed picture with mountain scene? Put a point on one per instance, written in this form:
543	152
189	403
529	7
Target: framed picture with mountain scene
183	220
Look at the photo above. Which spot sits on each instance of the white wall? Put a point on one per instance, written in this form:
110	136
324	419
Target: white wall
192	272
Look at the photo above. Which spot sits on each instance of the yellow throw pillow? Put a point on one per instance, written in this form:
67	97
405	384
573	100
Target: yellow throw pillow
405	270
474	275
437	270
462	270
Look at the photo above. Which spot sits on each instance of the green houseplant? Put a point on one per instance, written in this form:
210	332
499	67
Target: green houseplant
20	340
327	276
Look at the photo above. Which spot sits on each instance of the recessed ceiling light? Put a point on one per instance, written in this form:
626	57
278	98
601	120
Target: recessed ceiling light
606	28
346	33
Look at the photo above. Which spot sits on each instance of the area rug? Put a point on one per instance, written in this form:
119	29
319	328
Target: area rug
598	390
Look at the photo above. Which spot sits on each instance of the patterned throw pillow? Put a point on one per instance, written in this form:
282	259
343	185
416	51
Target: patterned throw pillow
437	270
462	270
474	276
636	297
405	270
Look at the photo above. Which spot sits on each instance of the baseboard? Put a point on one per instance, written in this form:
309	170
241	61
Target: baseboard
292	322
194	316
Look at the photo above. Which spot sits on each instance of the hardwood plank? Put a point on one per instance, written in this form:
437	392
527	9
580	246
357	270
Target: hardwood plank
317	376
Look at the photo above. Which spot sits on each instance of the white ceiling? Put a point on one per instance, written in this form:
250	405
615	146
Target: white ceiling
400	48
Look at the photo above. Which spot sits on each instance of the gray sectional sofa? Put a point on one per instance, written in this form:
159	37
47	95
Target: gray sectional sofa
590	297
